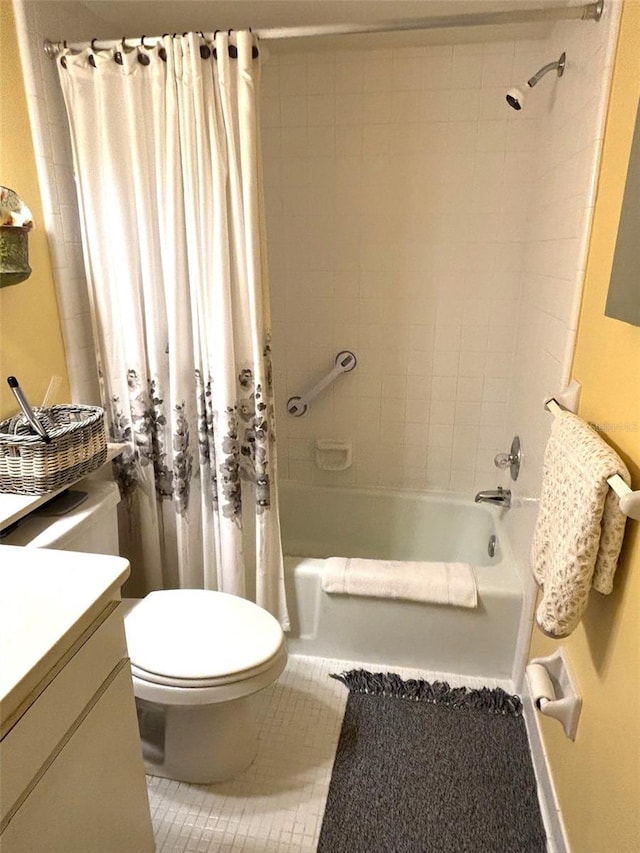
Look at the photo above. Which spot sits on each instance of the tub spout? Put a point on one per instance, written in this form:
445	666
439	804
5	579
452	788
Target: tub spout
498	497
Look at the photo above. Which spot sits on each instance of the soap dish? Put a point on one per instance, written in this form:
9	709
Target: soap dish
333	454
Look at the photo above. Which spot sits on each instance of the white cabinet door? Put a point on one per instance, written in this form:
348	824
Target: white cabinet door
92	798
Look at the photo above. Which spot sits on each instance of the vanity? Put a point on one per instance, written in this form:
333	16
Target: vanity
71	771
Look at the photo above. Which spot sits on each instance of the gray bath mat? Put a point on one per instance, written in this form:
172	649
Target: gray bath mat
425	767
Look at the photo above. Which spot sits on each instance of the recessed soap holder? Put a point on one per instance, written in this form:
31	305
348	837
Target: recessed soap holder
333	454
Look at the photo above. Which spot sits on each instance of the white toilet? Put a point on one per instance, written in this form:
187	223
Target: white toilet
198	658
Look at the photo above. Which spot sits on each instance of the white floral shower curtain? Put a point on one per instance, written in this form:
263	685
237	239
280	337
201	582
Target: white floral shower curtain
168	171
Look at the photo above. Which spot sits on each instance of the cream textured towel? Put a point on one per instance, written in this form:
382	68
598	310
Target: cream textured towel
437	583
580	526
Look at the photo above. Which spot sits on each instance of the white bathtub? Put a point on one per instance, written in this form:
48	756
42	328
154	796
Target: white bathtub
320	522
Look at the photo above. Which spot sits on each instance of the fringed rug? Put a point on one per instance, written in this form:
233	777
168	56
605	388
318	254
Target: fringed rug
427	767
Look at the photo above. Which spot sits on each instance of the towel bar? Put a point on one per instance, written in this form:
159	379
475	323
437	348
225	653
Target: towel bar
629	500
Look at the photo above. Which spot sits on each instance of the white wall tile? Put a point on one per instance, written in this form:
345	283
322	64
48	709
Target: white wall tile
564	137
414	218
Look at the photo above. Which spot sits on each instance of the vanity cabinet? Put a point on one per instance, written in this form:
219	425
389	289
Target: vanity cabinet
71	771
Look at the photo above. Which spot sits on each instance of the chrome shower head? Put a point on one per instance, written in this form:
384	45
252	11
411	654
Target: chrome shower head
515	96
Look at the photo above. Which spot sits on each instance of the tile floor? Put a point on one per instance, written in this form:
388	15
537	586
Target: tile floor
276	805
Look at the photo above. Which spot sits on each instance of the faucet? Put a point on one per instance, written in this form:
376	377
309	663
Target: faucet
497	497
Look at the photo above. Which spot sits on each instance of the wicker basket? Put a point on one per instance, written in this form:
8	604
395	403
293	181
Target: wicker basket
29	466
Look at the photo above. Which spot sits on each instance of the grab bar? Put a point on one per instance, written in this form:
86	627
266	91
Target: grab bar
345	361
629	500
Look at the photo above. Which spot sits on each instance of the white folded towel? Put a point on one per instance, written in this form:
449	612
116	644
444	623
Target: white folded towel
580	526
437	583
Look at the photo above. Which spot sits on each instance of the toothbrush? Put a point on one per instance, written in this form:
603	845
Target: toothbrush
27	410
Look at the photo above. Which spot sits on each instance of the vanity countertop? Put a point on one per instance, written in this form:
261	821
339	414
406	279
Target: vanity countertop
47	600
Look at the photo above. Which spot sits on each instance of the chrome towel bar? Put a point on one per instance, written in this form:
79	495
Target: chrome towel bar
629	499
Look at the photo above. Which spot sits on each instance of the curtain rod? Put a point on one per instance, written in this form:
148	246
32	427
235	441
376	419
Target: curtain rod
588	12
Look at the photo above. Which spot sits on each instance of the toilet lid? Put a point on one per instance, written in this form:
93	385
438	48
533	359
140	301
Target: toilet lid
198	634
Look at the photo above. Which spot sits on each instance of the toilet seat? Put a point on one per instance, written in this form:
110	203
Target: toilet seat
191	683
199	646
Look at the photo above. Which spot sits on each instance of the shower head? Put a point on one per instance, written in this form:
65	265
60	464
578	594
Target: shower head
515	96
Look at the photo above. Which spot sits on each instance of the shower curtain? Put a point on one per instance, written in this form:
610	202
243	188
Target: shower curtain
168	172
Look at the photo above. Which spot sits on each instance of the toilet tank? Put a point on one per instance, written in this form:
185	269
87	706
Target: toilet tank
91	527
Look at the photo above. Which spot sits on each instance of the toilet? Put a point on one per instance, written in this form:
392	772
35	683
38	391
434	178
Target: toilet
198	658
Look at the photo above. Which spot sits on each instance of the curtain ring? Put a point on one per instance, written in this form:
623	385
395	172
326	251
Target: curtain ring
65	44
122	43
93	44
142	44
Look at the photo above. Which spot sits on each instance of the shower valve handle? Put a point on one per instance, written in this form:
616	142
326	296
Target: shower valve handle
511	460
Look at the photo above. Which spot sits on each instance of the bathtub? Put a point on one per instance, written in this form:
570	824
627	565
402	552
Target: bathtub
319	522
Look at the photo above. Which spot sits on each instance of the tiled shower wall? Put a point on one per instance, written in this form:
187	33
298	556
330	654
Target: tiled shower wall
559	222
397	187
417	220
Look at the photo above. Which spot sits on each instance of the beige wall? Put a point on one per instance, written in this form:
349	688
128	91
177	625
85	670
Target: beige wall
30	340
598	777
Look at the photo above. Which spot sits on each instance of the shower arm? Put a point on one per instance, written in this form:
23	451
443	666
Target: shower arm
559	65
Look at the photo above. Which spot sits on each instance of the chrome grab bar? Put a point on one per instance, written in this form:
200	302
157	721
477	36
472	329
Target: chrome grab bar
345	361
